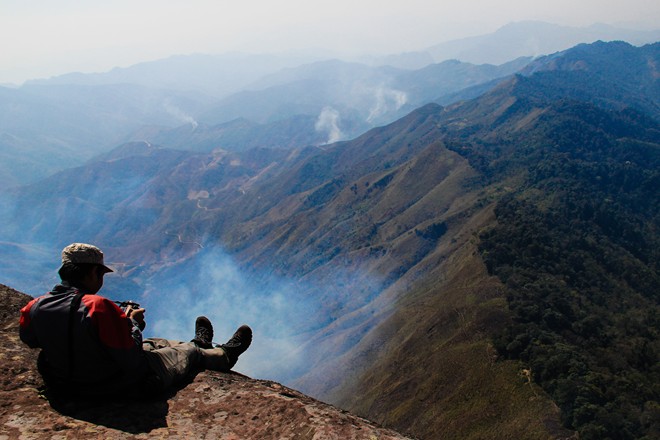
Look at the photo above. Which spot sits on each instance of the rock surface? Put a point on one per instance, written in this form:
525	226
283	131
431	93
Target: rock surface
213	405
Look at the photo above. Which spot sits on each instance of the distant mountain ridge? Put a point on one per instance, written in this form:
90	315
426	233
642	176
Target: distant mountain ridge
54	122
222	74
533	38
217	75
347	98
87	114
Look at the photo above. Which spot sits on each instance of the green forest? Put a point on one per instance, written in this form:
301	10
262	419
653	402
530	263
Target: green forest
577	247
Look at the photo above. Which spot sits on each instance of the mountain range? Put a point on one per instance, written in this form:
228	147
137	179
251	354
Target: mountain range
46	125
462	269
533	38
193	101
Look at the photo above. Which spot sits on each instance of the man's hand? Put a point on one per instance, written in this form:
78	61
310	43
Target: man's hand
138	316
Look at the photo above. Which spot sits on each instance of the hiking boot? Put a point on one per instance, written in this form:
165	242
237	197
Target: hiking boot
237	344
203	332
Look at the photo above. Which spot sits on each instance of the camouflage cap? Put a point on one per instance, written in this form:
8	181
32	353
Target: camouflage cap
82	253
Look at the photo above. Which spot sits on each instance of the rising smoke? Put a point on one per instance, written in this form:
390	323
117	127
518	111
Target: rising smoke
212	284
328	122
179	114
387	100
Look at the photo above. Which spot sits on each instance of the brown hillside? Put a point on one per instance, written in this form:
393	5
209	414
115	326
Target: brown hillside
438	375
428	366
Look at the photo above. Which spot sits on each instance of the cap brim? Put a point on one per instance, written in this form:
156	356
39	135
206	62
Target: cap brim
106	269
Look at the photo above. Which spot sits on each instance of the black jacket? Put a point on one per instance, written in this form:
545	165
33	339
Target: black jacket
94	347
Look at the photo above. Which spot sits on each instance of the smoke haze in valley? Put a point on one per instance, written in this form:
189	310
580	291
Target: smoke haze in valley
283	313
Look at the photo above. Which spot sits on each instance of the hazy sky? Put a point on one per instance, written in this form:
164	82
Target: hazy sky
44	38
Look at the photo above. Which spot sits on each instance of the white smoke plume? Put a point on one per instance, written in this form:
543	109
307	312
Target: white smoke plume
328	121
386	100
179	114
214	286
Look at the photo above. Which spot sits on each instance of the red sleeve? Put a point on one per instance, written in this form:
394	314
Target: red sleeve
111	323
25	314
25	331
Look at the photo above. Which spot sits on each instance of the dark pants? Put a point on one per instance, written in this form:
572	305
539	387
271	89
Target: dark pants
172	361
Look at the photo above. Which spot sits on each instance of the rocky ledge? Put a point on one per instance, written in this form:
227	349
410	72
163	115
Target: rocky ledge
213	405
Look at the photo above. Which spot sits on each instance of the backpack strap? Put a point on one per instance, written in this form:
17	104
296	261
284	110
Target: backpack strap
75	305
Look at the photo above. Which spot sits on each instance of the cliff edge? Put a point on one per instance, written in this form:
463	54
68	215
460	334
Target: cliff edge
213	405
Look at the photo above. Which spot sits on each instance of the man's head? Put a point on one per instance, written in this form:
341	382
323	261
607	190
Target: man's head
83	266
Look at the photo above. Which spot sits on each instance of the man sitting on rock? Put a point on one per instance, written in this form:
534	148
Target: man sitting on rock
89	346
